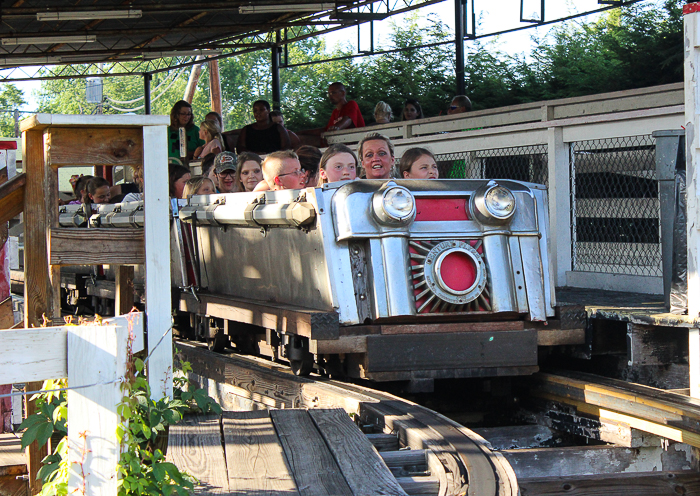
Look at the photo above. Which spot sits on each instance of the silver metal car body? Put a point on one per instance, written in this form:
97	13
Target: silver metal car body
347	256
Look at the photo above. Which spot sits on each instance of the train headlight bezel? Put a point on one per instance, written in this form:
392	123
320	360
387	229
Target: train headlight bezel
493	204
394	205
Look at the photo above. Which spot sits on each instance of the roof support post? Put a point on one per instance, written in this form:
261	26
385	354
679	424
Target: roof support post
147	93
460	33
691	28
275	66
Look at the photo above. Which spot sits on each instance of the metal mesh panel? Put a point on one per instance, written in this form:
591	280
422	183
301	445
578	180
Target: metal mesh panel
615	206
521	163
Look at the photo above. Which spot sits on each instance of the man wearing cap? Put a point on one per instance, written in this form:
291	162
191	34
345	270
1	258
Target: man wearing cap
225	168
282	170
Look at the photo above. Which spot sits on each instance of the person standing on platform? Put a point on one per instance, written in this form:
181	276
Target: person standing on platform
459	105
264	135
181	116
346	114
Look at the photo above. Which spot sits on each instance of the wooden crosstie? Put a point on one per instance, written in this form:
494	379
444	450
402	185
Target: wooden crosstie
282	452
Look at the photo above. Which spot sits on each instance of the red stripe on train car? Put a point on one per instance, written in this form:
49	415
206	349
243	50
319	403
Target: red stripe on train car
441	209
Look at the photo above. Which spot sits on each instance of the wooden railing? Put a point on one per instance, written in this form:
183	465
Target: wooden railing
94	359
667	95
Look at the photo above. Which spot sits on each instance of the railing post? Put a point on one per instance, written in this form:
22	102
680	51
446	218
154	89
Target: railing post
559	203
691	43
157	234
95	354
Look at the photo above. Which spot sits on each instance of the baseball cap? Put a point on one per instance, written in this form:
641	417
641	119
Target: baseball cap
225	161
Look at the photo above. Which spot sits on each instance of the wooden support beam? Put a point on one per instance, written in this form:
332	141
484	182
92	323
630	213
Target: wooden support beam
420	486
41	286
191	87
691	31
214	86
7	315
41	190
12	197
384	442
75	246
355	455
309	458
313	324
629	484
575	461
157	242
651	410
25	361
98	146
402	458
124	298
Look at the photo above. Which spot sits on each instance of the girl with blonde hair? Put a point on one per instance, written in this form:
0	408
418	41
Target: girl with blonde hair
210	132
338	163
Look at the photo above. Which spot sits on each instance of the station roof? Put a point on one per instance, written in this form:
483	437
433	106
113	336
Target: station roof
93	38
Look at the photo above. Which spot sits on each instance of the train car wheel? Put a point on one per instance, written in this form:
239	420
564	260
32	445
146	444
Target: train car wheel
218	342
302	367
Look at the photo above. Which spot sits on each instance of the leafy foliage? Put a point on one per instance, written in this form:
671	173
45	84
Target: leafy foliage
11	98
142	466
143	433
50	415
626	48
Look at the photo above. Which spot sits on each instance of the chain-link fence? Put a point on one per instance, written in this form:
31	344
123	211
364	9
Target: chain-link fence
521	163
615	206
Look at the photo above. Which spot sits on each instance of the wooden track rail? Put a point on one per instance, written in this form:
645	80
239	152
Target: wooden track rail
460	459
666	414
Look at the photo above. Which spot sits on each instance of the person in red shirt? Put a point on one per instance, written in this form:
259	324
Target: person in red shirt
346	114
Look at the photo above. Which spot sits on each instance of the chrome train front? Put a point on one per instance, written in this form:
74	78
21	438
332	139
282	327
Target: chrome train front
385	280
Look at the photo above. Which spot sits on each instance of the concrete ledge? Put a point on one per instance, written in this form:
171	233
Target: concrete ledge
615	282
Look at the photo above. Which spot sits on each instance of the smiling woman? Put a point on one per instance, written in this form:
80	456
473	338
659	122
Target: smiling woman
376	156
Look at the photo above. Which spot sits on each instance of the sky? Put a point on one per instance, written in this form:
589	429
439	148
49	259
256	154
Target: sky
492	16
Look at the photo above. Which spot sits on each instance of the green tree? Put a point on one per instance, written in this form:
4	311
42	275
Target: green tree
426	74
11	98
122	93
626	48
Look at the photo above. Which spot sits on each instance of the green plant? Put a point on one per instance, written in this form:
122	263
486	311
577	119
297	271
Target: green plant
142	467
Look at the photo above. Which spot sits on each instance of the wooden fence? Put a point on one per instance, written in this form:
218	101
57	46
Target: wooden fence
94	359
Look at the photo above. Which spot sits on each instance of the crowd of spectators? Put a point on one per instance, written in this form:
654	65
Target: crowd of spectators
223	171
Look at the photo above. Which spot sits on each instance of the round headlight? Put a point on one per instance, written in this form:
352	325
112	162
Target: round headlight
393	205
492	204
500	202
398	203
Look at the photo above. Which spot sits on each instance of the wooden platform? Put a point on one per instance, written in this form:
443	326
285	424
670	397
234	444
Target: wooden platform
12	464
635	308
281	452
